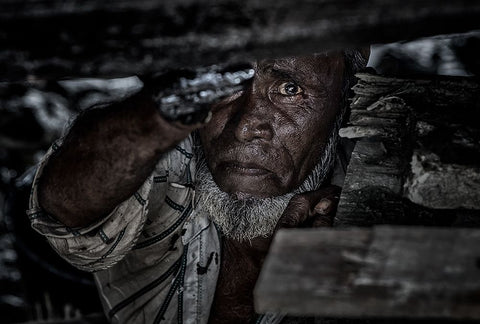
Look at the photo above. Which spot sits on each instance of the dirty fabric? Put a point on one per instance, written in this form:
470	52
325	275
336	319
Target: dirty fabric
155	258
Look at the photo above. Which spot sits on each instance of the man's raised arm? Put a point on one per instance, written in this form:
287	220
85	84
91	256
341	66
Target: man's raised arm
111	150
106	156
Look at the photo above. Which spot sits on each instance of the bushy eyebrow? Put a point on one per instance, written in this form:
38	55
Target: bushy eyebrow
281	72
288	69
284	70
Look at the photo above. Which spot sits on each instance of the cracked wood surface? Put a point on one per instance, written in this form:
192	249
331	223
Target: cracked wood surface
384	272
65	38
416	159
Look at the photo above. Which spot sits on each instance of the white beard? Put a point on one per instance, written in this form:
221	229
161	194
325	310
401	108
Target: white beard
246	219
238	219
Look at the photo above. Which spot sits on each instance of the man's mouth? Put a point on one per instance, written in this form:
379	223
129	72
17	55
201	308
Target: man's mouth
246	169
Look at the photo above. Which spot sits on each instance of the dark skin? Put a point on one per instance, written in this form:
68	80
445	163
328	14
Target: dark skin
242	261
124	138
261	142
264	141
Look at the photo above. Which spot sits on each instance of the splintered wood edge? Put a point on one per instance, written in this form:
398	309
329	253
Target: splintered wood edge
387	271
249	30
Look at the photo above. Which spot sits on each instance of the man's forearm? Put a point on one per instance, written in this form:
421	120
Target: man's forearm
106	156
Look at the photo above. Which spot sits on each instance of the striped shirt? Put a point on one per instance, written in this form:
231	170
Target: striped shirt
156	257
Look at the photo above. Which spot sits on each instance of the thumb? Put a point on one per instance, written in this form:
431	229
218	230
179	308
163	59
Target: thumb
304	209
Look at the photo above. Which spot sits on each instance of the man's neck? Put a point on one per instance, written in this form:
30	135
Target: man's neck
240	267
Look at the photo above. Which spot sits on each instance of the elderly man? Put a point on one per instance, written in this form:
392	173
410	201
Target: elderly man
175	224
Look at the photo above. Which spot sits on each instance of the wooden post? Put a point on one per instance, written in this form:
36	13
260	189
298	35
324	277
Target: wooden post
416	162
66	38
407	163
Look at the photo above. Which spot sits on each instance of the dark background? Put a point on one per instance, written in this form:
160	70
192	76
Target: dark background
37	101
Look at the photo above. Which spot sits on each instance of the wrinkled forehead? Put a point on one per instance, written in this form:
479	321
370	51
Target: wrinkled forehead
315	67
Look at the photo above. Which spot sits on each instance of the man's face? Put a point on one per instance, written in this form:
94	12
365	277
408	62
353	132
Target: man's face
264	141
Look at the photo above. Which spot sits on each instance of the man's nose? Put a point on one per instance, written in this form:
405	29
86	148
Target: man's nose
254	123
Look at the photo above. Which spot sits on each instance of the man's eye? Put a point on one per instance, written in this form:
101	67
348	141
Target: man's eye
290	89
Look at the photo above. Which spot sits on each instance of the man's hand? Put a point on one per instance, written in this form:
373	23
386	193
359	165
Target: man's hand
186	96
311	209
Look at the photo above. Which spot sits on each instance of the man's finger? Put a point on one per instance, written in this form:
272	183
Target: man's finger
304	208
324	206
297	212
323	220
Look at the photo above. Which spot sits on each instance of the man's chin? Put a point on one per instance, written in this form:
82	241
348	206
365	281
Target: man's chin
244	188
248	193
245	195
240	215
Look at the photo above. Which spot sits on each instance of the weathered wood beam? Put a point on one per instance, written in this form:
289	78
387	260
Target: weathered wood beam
67	38
417	153
407	272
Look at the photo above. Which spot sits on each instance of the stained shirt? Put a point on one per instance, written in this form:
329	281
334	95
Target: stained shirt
156	257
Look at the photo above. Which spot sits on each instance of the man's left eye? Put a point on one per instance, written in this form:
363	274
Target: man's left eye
290	89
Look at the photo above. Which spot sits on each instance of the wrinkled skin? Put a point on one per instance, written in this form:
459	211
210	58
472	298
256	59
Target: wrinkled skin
263	142
242	261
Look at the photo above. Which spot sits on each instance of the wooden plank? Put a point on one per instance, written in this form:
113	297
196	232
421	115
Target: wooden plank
417	151
384	272
432	94
68	38
373	185
440	185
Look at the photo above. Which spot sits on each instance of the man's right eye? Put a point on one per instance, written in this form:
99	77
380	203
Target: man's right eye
289	89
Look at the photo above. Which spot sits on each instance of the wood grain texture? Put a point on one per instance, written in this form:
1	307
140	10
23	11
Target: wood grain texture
66	38
408	272
417	151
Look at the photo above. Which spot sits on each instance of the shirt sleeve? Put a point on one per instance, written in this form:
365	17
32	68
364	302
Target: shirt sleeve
104	243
